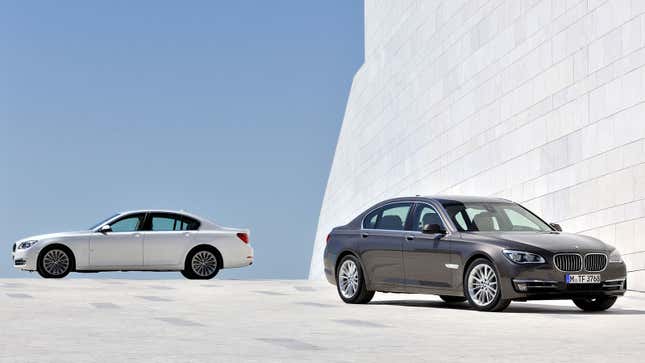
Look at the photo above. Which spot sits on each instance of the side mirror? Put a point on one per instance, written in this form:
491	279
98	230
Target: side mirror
105	229
433	229
557	227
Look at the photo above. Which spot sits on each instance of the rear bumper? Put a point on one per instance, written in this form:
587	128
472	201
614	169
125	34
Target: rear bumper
241	256
330	265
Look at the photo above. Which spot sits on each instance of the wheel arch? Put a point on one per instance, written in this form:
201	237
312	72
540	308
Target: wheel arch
218	254
476	255
61	246
351	253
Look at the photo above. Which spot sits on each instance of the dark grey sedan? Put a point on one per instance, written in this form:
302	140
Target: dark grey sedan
484	250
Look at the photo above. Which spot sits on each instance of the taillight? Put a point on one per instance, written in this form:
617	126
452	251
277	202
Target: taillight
244	237
328	237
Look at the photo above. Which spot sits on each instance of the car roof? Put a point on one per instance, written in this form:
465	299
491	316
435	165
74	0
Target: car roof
155	211
451	198
204	222
181	212
467	199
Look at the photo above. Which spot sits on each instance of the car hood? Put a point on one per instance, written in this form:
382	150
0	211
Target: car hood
48	236
550	241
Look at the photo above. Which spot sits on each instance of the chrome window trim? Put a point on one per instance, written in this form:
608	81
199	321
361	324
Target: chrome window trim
369	211
450	229
119	218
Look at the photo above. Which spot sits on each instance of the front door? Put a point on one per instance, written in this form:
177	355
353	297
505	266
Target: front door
426	257
120	248
381	241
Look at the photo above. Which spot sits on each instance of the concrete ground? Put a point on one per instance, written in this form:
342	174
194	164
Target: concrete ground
87	320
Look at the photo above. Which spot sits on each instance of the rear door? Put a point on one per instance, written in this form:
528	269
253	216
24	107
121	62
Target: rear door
426	257
381	242
166	239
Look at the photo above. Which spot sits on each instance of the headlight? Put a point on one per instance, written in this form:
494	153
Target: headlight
523	257
615	257
26	244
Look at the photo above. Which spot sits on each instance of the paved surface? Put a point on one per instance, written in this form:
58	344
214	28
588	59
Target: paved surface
88	320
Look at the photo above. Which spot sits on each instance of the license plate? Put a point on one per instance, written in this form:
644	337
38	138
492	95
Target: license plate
583	279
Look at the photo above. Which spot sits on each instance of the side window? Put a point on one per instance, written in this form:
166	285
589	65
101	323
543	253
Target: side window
461	223
370	220
393	217
171	222
128	224
189	224
163	223
426	214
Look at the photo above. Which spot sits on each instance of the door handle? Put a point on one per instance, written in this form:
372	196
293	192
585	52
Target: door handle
137	235
186	234
409	237
364	235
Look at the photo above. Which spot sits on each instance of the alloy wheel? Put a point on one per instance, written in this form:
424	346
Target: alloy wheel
348	279
204	263
482	284
55	262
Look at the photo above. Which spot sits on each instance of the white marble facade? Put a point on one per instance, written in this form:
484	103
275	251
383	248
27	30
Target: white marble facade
541	102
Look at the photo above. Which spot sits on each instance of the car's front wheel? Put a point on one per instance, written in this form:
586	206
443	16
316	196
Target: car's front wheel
54	262
350	282
482	286
599	303
201	264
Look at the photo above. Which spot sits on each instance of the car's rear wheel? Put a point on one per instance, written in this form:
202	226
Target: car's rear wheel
201	264
482	286
599	303
350	282
452	299
55	262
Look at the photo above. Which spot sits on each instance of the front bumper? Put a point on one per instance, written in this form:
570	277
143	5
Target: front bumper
541	282
25	259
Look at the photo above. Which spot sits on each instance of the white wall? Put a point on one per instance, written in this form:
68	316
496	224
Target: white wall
542	102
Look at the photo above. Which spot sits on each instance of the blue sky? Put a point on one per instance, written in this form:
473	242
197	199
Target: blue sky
228	109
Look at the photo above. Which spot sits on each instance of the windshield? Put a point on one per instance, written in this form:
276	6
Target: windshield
493	217
103	221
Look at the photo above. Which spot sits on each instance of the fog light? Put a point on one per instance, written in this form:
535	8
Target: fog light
521	286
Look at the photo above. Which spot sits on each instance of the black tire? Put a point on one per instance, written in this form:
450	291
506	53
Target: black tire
360	293
600	303
60	254
452	299
496	303
212	263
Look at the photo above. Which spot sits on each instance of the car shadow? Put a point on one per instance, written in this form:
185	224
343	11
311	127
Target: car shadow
514	308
